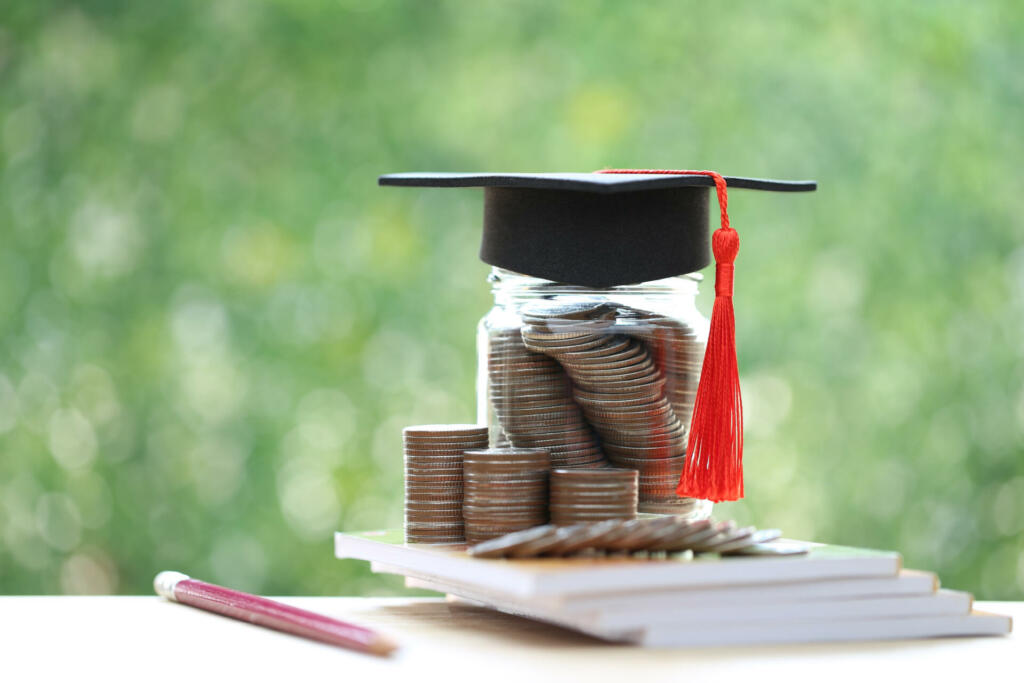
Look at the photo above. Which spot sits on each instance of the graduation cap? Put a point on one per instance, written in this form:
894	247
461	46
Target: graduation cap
624	226
594	229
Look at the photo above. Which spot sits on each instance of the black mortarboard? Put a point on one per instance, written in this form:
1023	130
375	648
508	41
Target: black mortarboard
594	229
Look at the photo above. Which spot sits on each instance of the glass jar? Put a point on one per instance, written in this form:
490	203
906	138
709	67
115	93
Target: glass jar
598	377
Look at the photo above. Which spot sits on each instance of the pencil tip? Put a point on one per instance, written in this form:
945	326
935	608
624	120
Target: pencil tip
382	646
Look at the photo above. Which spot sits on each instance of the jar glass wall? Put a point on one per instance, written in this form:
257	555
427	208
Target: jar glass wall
598	377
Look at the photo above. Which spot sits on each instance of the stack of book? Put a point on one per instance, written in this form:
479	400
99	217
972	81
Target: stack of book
830	593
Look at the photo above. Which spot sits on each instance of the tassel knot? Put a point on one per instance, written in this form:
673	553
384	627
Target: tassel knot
725	244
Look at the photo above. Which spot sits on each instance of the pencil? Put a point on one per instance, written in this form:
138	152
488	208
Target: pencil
179	587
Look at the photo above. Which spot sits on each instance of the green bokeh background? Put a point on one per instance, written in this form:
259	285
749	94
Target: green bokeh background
213	324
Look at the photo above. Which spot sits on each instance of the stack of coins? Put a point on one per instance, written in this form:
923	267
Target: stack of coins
675	349
433	480
532	399
678	354
619	387
506	490
592	495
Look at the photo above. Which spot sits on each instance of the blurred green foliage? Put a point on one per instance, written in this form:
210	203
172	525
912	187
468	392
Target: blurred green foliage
213	324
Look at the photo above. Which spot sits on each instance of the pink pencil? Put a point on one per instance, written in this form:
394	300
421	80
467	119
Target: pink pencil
178	587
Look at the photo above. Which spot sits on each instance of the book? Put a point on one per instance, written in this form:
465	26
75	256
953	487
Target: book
625	615
831	593
974	624
908	583
692	631
625	618
570	576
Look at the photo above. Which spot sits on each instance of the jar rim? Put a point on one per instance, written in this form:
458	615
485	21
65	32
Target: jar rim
501	278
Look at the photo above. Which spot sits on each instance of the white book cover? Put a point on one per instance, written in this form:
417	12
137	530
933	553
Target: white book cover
698	633
796	631
908	583
626	617
575	576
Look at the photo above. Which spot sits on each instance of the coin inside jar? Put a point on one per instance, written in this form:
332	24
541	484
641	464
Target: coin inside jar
598	382
532	399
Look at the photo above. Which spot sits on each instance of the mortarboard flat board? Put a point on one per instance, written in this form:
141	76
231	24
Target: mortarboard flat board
594	229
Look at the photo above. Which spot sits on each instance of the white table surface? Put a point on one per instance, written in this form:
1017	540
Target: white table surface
145	639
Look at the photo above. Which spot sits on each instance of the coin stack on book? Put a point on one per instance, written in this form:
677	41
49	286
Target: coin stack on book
592	495
433	480
506	490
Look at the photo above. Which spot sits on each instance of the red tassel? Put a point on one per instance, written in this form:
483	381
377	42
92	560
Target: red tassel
714	461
